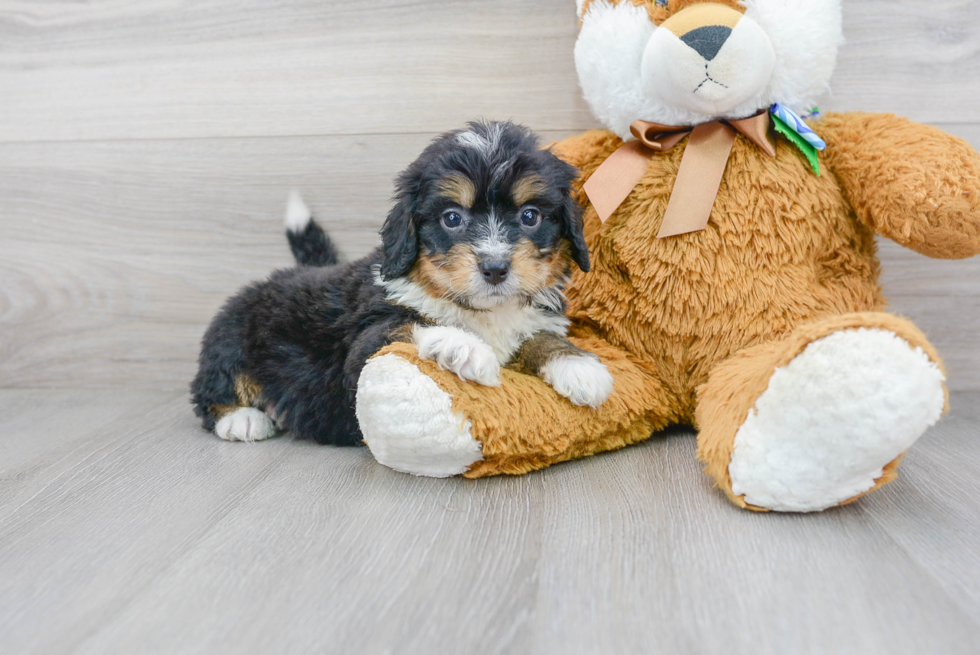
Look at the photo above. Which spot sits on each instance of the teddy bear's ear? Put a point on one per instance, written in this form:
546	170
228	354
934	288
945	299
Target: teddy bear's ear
806	35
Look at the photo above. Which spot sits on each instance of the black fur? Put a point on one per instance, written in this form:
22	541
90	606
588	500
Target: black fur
304	335
312	246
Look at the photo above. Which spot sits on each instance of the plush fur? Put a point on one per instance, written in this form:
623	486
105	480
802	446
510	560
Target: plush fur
474	259
695	328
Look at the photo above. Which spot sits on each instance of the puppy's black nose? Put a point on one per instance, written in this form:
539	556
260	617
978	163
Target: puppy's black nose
707	41
495	272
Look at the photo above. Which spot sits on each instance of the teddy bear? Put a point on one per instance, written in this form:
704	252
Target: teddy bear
735	282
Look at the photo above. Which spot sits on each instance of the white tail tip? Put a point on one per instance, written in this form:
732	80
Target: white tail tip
298	215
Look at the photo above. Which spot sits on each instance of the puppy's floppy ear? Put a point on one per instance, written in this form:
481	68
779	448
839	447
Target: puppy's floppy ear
570	211
399	235
571	217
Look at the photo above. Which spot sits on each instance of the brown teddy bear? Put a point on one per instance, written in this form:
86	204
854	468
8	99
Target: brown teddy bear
734	283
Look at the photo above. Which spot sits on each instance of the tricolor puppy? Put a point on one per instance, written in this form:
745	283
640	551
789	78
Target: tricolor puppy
474	258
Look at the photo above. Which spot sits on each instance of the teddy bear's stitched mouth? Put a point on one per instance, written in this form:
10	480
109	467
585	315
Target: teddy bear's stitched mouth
707	79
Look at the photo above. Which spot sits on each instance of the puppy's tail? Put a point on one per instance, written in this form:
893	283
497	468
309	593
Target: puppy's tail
310	244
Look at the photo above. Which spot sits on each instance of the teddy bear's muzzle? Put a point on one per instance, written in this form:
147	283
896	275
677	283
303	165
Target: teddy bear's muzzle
709	59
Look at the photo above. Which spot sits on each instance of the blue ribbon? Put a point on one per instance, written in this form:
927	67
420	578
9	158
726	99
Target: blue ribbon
795	123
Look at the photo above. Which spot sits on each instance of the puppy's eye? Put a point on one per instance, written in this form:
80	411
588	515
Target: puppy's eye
530	217
452	220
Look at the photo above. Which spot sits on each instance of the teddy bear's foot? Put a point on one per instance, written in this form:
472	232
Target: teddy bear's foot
832	419
829	425
408	422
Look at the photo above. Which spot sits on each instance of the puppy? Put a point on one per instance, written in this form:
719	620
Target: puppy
474	258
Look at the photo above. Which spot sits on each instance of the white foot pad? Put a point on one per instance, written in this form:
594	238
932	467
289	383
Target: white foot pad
245	424
408	422
458	351
832	418
583	380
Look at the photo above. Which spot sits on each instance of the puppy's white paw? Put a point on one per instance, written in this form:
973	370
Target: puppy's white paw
245	424
458	351
582	379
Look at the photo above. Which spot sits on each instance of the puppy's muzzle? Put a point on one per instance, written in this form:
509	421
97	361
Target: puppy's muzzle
495	271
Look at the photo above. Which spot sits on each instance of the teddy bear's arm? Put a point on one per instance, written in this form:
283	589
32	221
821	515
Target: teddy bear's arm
912	183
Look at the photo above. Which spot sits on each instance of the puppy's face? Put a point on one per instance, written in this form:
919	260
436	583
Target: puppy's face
483	217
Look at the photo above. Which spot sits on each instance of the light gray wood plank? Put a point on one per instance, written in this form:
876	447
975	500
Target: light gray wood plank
84	528
225	68
159	537
701	576
36	423
911	58
165	69
932	510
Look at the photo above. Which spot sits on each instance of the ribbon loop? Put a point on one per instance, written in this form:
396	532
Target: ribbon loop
655	136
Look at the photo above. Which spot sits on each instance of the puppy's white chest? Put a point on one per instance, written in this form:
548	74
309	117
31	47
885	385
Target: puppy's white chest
504	328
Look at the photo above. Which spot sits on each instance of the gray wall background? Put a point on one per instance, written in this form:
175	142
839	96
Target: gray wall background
146	149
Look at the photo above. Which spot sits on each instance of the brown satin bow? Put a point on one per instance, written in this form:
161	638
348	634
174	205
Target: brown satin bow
698	179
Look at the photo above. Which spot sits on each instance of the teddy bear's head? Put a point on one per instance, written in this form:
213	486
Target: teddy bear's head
686	62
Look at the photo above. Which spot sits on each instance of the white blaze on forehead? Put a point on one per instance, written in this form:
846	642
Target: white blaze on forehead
486	144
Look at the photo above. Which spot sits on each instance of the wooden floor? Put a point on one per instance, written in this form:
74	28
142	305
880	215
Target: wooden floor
146	149
124	528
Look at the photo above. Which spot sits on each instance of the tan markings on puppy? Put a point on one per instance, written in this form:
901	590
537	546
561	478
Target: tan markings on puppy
221	411
448	275
537	270
247	391
406	333
458	188
528	188
540	349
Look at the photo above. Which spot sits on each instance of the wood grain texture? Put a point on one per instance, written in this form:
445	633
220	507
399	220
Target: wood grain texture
149	534
168	69
114	256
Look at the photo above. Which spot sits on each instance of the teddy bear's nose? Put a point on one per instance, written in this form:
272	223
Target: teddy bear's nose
707	41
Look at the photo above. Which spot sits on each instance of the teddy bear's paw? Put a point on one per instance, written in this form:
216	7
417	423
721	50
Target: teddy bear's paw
832	418
245	424
408	422
461	352
583	379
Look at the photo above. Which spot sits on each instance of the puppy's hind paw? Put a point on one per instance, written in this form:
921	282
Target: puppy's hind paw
583	379
458	351
245	424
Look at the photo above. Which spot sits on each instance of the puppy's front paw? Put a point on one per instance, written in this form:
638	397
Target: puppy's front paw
458	351
245	424
583	379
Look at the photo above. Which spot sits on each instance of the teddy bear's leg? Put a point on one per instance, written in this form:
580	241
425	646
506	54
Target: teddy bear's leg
419	419
820	417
